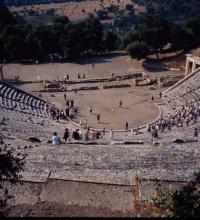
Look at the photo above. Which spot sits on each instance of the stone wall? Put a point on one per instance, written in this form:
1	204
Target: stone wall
85	194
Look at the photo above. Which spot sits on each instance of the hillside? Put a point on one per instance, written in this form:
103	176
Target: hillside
174	10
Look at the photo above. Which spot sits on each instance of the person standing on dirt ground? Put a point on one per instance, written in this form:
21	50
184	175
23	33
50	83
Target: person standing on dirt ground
160	94
120	104
152	98
103	131
126	126
90	109
93	65
111	134
65	96
98	118
66	134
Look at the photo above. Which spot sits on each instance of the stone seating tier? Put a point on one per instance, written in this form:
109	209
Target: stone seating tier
18	100
187	91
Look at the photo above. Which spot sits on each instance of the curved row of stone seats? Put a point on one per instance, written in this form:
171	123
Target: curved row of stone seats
20	126
184	92
16	99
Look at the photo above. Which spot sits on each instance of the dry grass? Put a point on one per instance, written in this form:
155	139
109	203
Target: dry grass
76	10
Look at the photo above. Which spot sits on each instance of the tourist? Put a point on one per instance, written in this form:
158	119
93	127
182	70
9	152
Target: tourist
76	135
67	112
131	131
111	134
98	118
195	133
57	117
93	134
84	76
53	114
126	126
85	123
67	103
152	98
87	134
98	135
56	139
137	130
72	103
66	134
80	134
149	128
187	121
93	65
103	131
67	77
90	109
65	96
160	94
120	104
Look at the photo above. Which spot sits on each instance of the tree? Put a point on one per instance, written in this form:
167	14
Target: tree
62	20
10	167
110	41
93	34
5	16
194	25
181	38
131	37
138	50
154	33
183	202
14	45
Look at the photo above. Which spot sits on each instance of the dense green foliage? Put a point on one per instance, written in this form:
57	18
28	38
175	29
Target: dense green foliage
5	16
159	35
174	10
138	50
24	41
183	202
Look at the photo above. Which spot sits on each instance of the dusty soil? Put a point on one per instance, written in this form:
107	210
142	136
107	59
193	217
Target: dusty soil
103	66
137	107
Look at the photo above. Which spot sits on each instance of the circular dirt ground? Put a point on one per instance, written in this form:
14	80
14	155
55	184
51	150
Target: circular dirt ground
137	107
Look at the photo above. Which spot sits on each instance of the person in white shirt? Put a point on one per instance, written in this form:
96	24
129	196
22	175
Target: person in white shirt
111	134
56	139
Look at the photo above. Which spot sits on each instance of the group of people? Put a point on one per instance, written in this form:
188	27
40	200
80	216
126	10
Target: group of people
80	77
69	113
77	135
184	116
